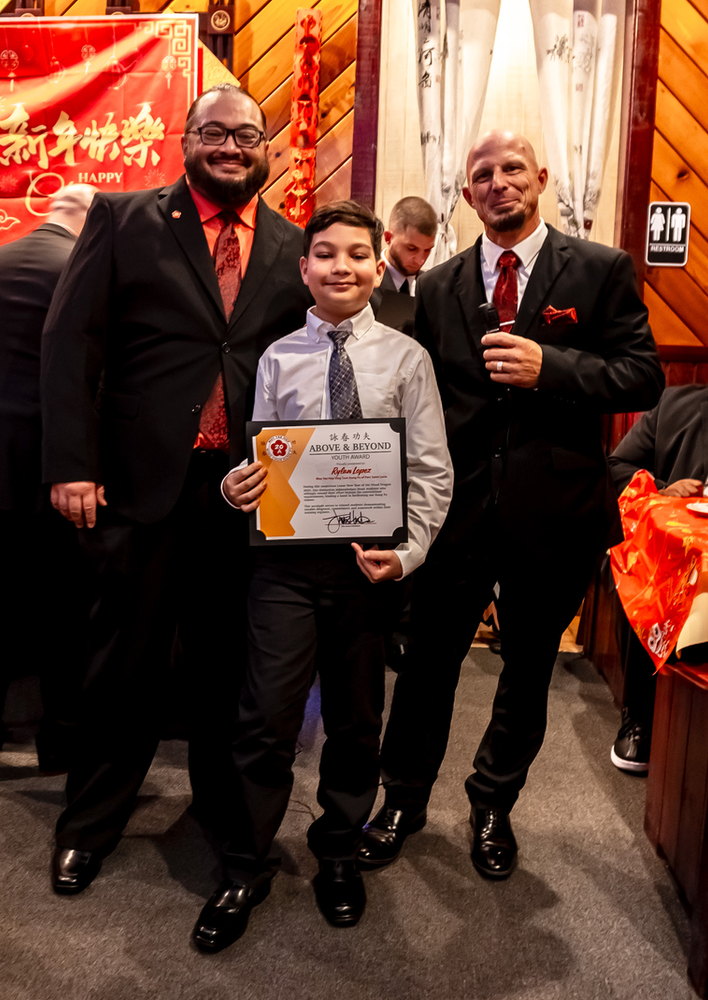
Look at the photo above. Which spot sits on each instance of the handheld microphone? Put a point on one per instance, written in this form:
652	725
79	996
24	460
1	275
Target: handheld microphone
489	316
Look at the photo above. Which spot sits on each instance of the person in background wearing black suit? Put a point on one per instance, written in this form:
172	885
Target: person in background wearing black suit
410	237
149	361
670	442
39	548
533	502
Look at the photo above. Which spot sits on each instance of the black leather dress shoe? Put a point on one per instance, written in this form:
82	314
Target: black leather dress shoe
225	916
73	870
385	834
339	891
494	849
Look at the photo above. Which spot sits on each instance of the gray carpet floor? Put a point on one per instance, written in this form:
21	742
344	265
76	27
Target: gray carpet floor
590	913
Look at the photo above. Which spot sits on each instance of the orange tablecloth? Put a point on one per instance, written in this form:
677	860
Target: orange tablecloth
661	569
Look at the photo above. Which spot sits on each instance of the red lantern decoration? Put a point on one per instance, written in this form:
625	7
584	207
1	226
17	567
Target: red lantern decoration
299	190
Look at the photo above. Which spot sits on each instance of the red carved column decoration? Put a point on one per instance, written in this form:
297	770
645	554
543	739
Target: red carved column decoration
299	190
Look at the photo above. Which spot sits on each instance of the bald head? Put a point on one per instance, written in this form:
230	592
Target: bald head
70	205
504	183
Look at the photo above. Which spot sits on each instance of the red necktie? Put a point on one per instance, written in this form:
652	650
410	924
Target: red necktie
214	425
506	290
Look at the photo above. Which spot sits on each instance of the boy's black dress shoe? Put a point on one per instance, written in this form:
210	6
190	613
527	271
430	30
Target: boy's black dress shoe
73	870
385	834
224	918
339	890
494	849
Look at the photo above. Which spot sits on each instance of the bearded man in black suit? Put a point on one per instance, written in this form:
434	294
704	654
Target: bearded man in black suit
149	363
409	239
39	548
533	502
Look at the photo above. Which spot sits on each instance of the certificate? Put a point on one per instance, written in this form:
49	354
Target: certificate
330	481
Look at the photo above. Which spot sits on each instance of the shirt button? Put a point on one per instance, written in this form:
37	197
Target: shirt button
225	348
497	453
197	408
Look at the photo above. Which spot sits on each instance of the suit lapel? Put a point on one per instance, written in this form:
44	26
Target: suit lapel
387	283
267	241
552	258
470	289
182	217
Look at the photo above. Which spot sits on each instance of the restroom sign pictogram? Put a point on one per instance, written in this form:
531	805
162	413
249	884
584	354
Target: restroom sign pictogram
668	226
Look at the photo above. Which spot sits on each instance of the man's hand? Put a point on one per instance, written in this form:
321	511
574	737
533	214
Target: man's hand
521	359
78	502
683	488
244	486
378	564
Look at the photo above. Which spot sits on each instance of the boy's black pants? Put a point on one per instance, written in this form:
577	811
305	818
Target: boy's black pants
309	609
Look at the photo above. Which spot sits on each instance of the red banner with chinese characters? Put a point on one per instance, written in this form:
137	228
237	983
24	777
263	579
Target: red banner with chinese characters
90	100
658	568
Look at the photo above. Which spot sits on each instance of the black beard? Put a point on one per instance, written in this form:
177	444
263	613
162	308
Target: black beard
398	264
225	192
507	223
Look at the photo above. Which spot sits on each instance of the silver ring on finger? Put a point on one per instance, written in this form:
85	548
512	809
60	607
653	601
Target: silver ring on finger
500	366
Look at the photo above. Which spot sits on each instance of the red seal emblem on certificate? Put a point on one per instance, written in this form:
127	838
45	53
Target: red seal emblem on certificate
279	448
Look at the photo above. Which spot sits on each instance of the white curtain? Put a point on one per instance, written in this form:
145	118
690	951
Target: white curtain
454	52
579	47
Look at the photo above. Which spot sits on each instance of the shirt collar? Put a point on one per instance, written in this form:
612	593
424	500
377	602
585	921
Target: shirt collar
526	250
207	209
318	329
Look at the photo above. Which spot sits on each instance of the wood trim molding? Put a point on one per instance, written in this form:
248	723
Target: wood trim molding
639	82
366	102
680	352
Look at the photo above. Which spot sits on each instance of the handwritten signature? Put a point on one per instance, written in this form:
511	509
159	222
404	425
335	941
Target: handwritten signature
338	521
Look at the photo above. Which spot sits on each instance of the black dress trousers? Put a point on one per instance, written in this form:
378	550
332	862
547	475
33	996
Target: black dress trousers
451	590
187	572
310	609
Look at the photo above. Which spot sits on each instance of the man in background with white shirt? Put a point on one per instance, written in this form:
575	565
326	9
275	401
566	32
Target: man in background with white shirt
533	502
409	240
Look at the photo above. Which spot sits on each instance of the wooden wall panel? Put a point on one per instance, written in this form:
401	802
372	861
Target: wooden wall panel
677	297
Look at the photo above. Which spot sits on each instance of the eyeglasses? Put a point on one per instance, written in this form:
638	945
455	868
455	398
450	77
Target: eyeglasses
247	136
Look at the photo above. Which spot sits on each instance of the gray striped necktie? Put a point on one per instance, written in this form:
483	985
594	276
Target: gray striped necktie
343	393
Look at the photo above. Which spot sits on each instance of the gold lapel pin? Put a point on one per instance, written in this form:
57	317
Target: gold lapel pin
176	215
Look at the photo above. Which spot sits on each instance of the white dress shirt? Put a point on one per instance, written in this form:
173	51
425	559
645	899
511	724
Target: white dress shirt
527	251
395	378
399	278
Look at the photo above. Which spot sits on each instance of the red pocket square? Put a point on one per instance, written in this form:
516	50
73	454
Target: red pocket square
551	315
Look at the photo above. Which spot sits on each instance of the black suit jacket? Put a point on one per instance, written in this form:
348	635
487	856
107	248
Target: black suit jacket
29	271
137	336
538	452
671	441
392	308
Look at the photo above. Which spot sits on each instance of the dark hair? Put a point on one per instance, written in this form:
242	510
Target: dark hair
226	88
349	213
414	212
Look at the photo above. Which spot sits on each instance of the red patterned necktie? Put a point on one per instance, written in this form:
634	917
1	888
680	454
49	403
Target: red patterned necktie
506	290
214	425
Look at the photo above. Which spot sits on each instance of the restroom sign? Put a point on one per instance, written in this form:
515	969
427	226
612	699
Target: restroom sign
667	233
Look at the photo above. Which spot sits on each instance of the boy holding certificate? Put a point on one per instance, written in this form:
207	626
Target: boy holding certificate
318	601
